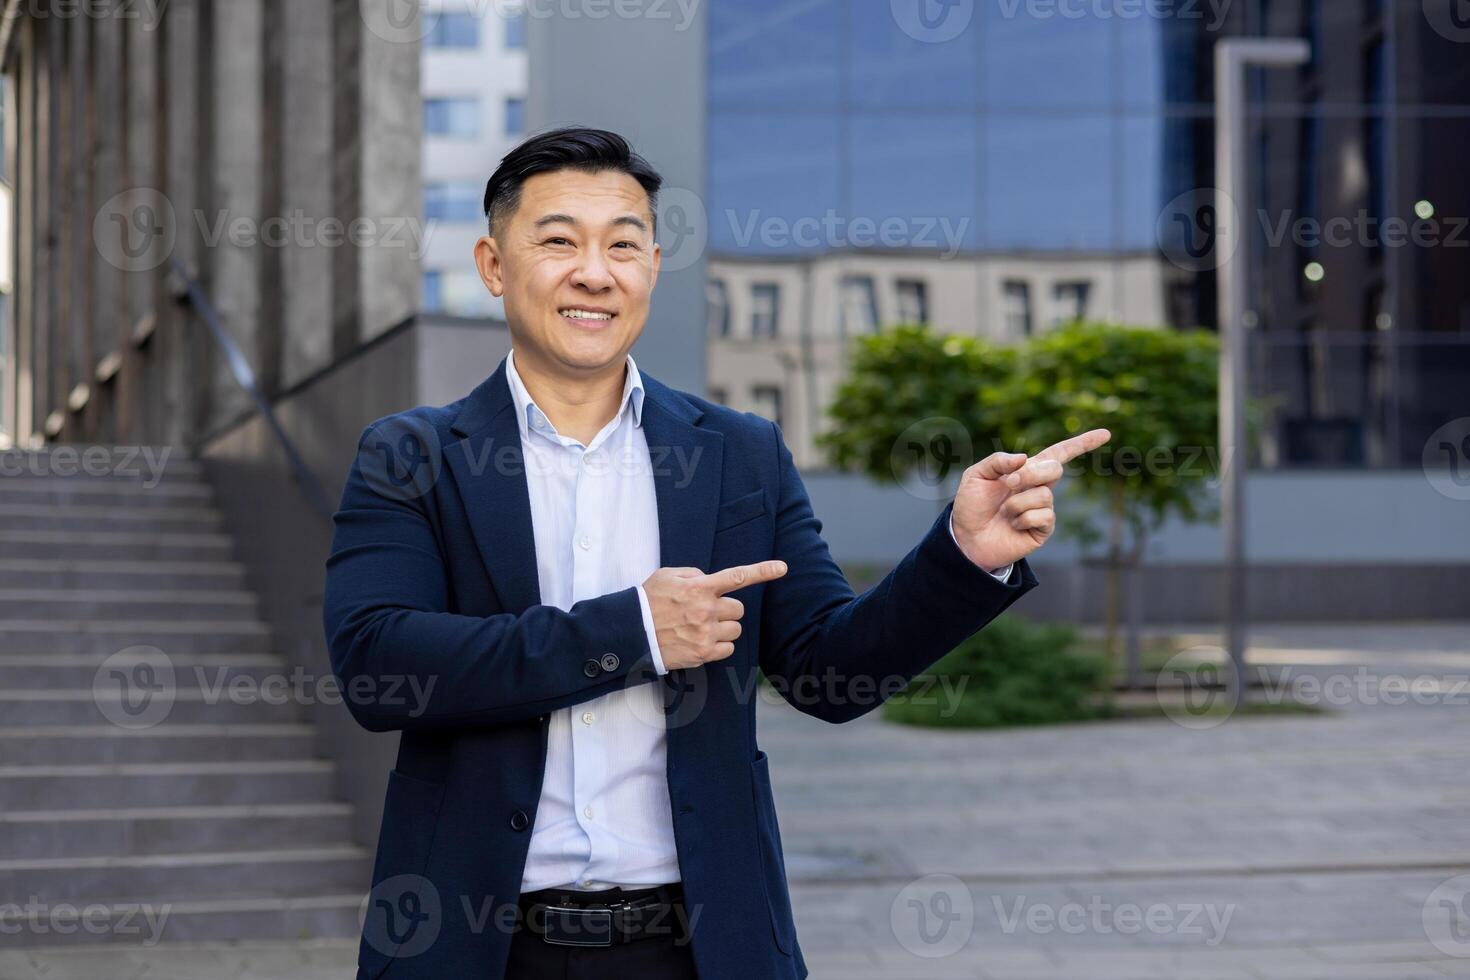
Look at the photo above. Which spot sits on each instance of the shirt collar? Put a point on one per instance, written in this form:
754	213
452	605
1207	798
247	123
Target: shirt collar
527	411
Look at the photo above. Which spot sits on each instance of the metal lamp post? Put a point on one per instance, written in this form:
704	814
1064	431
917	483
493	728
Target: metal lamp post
1232	58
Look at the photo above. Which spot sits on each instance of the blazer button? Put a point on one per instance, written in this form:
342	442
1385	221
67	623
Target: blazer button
591	668
519	820
610	661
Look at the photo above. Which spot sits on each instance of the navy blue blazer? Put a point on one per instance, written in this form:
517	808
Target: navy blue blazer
432	579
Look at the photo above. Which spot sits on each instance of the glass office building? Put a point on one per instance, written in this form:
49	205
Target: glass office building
998	166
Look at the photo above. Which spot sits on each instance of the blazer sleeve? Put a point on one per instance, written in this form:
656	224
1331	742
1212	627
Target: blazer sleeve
406	663
838	654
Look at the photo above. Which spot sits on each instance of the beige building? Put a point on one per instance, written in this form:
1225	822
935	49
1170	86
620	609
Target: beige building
780	328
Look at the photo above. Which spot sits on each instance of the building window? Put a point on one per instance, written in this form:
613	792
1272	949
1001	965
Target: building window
913	301
767	400
1069	301
859	306
452	117
1375	66
456	292
515	116
515	30
765	301
456	200
717	308
1016	308
717	395
453	29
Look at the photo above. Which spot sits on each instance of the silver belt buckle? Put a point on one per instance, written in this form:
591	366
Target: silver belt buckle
577	927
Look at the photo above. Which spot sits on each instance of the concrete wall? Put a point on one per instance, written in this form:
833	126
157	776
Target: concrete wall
1324	545
666	124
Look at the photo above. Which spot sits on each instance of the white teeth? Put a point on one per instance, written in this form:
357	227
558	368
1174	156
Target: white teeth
586	315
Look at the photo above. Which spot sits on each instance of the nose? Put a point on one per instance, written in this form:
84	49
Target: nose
592	272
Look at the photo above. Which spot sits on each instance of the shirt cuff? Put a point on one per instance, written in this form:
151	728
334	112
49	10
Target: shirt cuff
648	628
1001	574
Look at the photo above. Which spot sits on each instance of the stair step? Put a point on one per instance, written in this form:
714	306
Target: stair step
237	874
186	704
172	830
41	573
173	636
294	918
57	492
165	784
67	745
77	517
51	671
93	604
100	463
114	545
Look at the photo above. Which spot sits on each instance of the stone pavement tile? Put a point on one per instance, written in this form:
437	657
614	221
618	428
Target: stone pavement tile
1404	951
316	960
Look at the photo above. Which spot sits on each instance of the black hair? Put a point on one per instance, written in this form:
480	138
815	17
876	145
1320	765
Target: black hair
568	148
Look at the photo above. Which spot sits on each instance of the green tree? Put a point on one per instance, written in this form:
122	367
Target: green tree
1154	389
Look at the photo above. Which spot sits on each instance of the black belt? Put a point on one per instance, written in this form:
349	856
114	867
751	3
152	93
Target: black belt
564	917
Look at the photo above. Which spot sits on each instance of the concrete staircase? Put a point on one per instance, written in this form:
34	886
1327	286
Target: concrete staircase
216	822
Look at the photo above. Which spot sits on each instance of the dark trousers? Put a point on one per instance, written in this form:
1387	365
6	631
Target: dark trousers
664	956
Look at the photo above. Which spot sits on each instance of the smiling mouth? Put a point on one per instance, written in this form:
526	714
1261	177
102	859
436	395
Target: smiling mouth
586	318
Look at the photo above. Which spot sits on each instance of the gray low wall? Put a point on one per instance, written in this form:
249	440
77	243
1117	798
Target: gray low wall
284	544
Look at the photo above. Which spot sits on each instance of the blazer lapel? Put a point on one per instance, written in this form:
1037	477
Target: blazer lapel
688	464
489	469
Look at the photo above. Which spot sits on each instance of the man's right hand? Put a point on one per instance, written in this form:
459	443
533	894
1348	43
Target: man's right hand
695	621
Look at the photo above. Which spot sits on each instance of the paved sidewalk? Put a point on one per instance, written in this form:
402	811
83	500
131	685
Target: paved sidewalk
1269	848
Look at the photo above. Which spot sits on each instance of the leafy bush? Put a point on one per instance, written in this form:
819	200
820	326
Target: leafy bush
1010	673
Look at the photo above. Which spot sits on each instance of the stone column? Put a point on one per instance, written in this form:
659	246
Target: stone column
233	214
303	158
183	348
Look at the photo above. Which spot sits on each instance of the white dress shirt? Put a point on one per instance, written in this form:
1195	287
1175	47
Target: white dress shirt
604	816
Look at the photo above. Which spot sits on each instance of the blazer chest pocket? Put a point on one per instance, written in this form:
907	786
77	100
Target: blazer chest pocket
739	511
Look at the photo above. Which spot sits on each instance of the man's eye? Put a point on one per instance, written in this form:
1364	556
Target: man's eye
552	241
629	244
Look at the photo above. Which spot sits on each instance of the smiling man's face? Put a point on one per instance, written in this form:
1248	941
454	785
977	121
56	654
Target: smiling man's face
576	264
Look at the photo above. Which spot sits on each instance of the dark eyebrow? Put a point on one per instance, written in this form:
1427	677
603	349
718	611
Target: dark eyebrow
626	219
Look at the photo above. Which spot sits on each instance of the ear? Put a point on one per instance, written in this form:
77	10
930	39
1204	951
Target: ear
487	261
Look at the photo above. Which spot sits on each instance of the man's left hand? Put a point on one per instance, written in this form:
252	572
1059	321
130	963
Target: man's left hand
1003	508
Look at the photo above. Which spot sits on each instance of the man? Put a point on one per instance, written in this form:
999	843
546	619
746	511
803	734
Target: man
581	570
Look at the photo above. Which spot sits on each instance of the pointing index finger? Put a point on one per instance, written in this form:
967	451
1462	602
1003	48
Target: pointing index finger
739	576
1070	449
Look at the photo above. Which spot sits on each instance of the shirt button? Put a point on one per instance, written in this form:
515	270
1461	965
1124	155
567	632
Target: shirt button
587	812
588	717
585	542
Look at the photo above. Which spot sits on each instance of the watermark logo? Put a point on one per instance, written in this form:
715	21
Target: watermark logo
1446	917
1447	459
683	228
1449	18
1194	229
671	701
929	456
933	917
135	230
1099	917
135	688
933	21
398	21
1196	688
401	457
402	916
